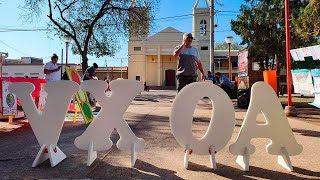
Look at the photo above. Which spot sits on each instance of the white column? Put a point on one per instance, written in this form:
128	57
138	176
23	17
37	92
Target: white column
159	66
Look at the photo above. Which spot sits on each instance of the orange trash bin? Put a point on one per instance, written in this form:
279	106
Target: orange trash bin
270	77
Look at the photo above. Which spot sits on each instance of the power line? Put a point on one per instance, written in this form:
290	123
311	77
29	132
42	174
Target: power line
5	28
203	13
229	14
17	30
14	48
33	30
227	11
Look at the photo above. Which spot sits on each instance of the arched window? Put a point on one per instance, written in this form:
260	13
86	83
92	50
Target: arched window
203	27
203	22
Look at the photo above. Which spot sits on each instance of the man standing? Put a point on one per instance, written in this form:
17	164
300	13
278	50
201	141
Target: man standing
188	62
89	73
51	69
224	82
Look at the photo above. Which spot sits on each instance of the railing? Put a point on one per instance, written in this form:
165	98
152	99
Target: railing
225	68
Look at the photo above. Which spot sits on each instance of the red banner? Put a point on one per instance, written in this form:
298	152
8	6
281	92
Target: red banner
36	82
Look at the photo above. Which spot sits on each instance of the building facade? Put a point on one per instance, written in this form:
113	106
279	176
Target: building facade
33	68
23	70
151	58
25	67
109	73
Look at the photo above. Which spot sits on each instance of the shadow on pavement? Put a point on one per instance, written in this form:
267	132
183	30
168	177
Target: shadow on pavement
255	172
308	111
309	133
141	170
306	172
155	97
145	99
311	115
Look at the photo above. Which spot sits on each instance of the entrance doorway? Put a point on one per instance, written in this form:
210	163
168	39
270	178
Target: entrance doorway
170	77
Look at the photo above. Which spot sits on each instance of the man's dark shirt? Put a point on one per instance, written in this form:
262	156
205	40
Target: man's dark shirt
89	70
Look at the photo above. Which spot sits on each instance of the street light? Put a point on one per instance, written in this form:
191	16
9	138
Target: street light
67	40
229	40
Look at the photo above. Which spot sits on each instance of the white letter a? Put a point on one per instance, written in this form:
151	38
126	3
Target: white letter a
277	128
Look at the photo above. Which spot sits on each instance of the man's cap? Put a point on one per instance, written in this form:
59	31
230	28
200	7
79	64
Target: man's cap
185	35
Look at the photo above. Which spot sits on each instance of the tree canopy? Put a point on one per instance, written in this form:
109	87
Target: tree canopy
224	46
308	22
95	26
262	27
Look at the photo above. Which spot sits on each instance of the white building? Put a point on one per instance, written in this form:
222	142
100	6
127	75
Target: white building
22	70
26	66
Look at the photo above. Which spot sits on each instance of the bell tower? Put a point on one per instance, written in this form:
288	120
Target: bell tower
201	32
139	21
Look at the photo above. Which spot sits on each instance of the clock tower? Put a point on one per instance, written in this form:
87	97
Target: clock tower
201	32
139	28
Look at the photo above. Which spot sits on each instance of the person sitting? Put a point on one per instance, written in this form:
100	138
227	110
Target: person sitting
211	77
89	75
224	82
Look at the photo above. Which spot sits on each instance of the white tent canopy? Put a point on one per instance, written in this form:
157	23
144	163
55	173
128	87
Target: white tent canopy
301	53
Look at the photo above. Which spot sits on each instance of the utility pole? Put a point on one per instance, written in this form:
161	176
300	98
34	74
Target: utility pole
121	61
106	64
212	36
121	68
278	74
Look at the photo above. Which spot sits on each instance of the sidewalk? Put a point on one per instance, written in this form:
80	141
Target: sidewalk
162	158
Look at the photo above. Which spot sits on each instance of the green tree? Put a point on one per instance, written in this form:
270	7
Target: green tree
262	28
95	26
224	46
308	22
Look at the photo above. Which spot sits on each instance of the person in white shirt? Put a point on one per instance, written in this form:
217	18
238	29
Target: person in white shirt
51	69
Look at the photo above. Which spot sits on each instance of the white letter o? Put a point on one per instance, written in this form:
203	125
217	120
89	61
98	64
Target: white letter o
222	121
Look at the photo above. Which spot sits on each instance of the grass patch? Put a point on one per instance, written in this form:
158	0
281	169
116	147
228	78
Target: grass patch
297	101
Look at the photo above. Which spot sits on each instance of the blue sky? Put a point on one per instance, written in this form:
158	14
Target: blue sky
37	44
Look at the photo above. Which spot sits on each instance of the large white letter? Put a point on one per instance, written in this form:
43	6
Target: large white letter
277	128
47	125
97	135
221	125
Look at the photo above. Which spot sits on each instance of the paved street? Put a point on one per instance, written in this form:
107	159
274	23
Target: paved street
162	158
